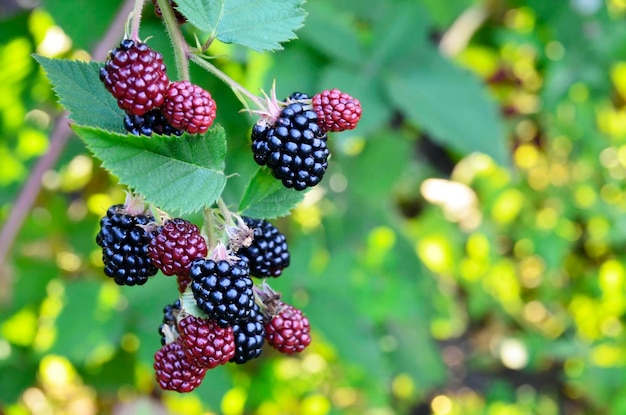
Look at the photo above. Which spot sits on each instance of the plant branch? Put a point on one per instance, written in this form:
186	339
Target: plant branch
234	85
58	139
181	49
136	20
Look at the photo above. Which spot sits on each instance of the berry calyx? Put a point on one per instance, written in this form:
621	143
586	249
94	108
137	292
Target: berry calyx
124	244
288	331
268	254
136	76
174	372
189	107
174	245
336	110
206	344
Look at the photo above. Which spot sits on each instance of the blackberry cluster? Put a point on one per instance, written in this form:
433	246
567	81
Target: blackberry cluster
136	76
151	122
223	290
294	147
124	245
268	254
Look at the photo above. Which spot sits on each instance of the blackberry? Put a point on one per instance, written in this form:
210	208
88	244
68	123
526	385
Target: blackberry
169	319
174	245
336	110
125	246
294	148
259	141
298	96
151	122
288	331
205	343
189	107
135	75
174	372
268	254
249	337
223	290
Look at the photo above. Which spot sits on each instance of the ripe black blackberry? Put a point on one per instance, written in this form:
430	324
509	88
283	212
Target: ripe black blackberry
125	246
268	254
223	290
169	319
249	337
152	122
294	147
136	76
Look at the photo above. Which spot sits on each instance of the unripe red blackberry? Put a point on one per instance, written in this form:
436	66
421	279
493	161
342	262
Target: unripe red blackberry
249	337
174	245
288	331
336	110
174	372
124	245
206	344
135	75
189	107
223	290
268	254
294	147
152	122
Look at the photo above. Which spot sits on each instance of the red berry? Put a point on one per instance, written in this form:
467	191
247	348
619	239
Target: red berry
289	330
336	110
175	245
135	75
189	107
205	343
174	372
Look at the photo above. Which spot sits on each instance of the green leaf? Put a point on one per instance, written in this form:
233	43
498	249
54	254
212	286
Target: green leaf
178	174
450	104
82	93
258	24
266	197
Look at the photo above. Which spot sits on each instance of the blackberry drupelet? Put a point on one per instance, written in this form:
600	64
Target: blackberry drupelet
152	122
268	254
125	246
249	337
294	148
135	75
223	290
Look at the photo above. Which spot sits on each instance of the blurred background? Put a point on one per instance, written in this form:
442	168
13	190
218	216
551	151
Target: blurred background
464	253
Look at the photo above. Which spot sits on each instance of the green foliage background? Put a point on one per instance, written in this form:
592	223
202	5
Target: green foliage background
463	255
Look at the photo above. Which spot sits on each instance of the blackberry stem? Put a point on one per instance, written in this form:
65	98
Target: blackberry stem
181	50
209	229
136	20
234	85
